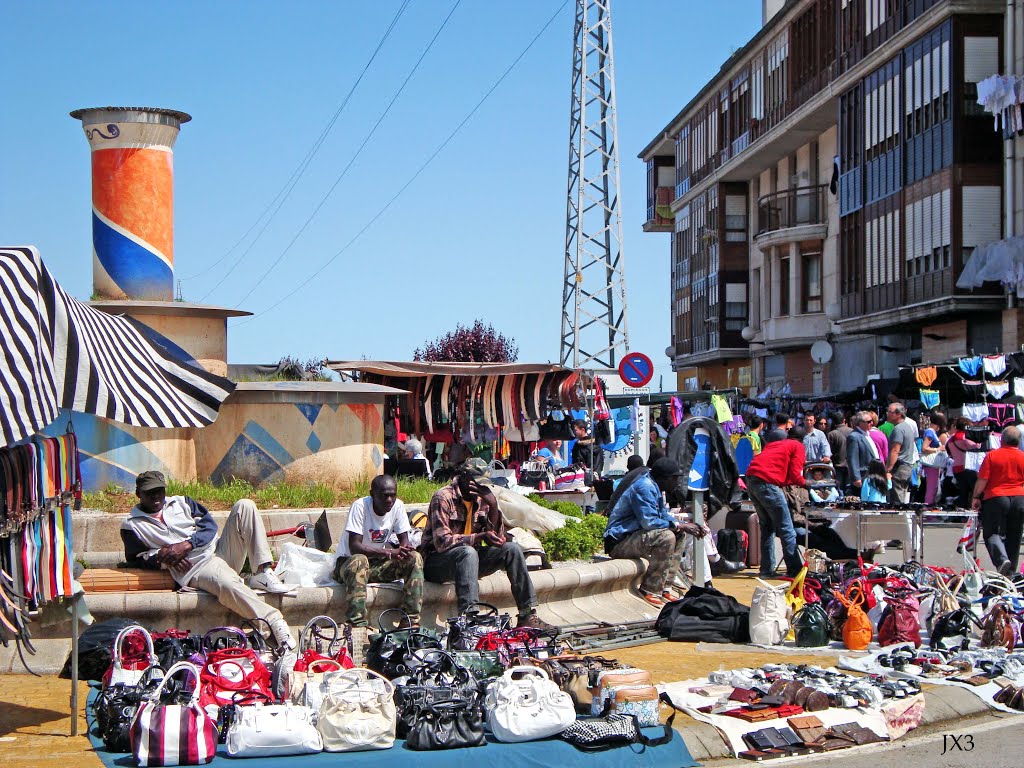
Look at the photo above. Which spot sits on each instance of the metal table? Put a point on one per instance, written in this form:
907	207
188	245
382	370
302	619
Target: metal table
583	497
888	524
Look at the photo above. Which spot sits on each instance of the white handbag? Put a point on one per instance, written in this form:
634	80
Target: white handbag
525	704
358	712
307	688
273	729
130	675
769	614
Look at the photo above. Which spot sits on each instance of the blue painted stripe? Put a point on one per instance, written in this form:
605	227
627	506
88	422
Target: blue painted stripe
266	441
140	273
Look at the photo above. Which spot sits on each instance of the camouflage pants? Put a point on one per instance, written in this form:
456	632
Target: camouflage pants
358	570
662	548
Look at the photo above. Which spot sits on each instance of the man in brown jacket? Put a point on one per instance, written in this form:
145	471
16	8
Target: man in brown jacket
465	539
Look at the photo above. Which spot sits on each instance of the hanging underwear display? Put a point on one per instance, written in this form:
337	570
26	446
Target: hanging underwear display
976	412
974	390
977	435
997	390
995	440
930	397
970	365
973	459
926	376
1018	386
995	365
1001	414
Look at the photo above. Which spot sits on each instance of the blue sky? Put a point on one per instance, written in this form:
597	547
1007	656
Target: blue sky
480	233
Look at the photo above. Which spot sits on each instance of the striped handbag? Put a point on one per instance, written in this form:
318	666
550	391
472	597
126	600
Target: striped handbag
171	728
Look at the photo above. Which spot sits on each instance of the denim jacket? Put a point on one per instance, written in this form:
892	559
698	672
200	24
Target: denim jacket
641	507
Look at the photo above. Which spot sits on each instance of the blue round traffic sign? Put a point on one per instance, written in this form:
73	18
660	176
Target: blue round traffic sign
636	369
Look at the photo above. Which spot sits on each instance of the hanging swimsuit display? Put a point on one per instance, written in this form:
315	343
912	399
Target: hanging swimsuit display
926	376
970	365
929	397
975	412
997	390
995	365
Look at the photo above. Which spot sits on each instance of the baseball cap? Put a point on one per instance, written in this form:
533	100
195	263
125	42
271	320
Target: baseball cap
666	467
150	481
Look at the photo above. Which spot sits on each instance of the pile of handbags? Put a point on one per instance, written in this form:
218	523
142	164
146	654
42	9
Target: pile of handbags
169	698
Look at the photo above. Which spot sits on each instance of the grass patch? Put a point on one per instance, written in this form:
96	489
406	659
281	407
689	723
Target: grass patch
118	500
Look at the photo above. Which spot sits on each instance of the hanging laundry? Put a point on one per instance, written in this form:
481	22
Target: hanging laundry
677	411
997	389
973	459
974	390
722	410
995	365
929	398
1018	386
970	365
995	440
926	376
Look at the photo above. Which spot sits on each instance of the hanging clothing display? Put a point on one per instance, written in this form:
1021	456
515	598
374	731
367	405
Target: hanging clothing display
926	375
970	365
39	482
994	365
62	353
929	398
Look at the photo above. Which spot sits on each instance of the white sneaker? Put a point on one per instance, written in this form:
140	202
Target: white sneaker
267	581
282	633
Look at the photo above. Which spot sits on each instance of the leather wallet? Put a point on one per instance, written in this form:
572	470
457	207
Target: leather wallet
744	695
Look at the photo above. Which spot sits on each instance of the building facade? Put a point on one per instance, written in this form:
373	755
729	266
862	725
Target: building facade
828	186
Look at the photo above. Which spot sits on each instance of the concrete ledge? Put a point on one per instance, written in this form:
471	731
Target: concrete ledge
578	594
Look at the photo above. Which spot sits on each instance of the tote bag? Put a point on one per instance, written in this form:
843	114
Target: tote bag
174	734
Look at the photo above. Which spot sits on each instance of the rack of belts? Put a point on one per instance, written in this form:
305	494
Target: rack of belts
40	483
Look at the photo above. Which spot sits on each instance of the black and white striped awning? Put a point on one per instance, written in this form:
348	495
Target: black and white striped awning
59	352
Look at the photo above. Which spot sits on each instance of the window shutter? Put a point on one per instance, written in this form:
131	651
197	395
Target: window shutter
944	64
981	215
944	199
981	58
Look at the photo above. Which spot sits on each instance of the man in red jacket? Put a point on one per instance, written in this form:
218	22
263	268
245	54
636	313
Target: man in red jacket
779	464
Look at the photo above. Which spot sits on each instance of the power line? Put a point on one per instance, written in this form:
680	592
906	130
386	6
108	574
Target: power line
285	192
358	152
416	175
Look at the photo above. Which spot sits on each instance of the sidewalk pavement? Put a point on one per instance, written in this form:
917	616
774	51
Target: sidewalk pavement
35	721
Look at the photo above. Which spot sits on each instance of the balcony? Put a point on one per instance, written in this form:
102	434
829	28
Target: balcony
793	214
659	215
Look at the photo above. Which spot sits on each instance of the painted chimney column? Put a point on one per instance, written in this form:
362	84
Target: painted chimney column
132	200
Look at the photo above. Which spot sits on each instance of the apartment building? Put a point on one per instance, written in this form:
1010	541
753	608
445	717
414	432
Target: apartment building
827	186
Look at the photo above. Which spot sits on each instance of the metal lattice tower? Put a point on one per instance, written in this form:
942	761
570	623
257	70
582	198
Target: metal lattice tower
594	311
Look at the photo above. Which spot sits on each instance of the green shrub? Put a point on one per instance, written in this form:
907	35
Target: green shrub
577	540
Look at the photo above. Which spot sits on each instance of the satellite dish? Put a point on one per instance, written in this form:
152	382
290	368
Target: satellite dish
821	351
670	351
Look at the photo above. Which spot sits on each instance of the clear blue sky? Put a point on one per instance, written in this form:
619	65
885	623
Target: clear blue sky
480	233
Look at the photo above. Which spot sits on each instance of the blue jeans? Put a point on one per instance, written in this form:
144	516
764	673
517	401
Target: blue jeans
773	514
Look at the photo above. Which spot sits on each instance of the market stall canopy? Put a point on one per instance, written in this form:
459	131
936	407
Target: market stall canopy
61	353
1002	261
419	369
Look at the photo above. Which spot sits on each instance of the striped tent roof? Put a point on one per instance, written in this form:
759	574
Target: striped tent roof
59	352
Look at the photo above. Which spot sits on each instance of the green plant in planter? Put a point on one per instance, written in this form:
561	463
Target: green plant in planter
577	540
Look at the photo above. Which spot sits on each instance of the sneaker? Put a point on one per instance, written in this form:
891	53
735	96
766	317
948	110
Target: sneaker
1005	568
267	581
282	633
533	621
669	596
653	599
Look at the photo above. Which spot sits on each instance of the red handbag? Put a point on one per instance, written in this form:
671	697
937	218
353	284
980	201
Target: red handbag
234	676
323	640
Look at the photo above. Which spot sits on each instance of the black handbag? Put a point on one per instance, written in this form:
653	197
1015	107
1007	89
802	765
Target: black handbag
388	649
596	734
116	705
447	725
466	629
810	626
437	678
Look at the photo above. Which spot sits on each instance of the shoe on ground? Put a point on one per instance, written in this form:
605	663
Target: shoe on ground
282	633
726	566
656	600
267	581
1006	568
533	621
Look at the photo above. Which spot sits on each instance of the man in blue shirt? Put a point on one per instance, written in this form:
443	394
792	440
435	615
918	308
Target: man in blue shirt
639	525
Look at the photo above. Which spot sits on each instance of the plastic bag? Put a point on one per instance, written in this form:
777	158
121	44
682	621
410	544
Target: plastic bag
305	566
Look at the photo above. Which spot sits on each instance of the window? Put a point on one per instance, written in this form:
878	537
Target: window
927	237
735	306
735	219
784	286
810	292
683	161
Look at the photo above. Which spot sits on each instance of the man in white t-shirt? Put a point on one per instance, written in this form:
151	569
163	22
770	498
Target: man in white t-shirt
366	552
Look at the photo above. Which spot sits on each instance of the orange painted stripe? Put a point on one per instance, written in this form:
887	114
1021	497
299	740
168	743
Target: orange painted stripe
134	188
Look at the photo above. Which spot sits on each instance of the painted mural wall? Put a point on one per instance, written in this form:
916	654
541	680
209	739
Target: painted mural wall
283	431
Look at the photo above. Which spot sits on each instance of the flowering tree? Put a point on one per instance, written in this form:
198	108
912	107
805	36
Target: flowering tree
477	344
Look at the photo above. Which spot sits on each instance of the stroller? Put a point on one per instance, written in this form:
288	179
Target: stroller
822	487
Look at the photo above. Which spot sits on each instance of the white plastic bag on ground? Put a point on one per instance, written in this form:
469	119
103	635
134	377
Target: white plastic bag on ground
305	566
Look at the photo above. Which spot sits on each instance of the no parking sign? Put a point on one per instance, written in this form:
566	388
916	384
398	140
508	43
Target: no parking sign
636	369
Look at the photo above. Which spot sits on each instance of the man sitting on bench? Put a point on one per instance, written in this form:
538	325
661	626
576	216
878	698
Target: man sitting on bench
375	547
180	535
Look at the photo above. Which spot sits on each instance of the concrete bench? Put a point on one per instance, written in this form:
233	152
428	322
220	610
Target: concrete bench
573	594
